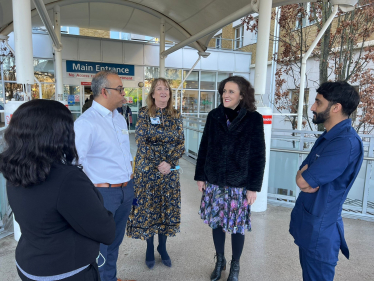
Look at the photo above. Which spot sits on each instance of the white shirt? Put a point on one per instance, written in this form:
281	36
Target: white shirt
102	141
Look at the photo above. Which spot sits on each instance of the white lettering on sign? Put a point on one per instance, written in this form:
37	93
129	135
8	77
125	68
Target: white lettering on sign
86	67
84	75
118	69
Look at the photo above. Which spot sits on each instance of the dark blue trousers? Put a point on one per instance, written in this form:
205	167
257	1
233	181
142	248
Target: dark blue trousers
117	200
314	270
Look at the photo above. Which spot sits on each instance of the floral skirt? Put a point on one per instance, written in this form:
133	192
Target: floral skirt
226	207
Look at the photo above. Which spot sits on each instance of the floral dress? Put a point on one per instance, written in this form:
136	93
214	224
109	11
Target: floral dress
226	207
158	206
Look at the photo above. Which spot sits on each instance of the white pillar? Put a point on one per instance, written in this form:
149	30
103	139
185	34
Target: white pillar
162	48
262	53
23	41
260	204
59	92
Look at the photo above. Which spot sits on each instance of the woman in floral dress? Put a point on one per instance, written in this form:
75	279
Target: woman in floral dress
160	139
230	168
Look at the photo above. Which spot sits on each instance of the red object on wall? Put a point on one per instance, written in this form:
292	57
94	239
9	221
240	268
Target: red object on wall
86	83
267	119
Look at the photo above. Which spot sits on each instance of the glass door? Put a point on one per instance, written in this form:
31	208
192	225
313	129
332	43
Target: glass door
73	95
134	102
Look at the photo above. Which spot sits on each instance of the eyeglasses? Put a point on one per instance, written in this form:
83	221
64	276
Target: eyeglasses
119	89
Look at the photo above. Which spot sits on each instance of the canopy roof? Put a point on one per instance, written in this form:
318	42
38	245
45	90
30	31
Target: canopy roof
184	18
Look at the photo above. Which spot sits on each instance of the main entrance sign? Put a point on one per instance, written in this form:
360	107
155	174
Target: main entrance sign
85	69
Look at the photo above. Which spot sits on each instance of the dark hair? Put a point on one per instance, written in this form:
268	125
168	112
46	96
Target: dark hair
340	92
40	133
246	91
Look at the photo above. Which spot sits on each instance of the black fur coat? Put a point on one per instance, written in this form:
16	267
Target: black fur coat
232	156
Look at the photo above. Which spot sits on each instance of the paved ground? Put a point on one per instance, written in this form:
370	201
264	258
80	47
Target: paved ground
269	252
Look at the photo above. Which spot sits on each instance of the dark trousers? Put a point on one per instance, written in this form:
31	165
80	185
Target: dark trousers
314	270
91	273
117	200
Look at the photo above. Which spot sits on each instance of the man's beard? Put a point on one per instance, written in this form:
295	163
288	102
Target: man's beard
321	117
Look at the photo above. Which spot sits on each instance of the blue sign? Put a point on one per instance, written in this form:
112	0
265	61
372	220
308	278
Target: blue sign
94	67
71	99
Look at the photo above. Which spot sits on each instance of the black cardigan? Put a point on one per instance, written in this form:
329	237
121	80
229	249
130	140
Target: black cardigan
232	156
62	220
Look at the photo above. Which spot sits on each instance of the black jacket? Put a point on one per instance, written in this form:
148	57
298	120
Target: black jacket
62	220
232	156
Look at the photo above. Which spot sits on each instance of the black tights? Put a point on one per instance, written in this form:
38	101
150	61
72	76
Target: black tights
237	243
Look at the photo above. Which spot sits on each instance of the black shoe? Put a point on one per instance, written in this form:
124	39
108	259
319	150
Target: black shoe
220	265
234	271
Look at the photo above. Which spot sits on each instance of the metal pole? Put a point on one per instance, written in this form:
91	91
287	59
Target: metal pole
42	11
218	25
275	56
2	83
262	53
162	48
184	79
59	91
303	67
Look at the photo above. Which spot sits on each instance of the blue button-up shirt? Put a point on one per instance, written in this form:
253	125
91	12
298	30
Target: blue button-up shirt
333	164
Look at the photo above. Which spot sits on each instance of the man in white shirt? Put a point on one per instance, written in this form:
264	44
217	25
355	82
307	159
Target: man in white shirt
102	141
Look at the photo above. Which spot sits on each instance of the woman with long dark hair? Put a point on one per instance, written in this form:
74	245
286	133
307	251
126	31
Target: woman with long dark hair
230	168
60	212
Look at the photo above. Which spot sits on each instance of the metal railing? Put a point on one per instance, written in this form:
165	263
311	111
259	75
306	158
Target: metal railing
288	150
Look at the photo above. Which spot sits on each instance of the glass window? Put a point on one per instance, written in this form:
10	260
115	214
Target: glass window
206	101
115	35
222	76
48	91
12	90
64	29
192	81
74	30
239	32
1	97
208	81
150	73
134	98
9	67
219	41
174	77
189	103
44	70
73	92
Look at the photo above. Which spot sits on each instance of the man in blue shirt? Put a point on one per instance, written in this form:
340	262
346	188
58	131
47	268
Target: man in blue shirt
325	178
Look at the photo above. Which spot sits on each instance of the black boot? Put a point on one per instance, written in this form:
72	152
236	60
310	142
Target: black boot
234	271
220	265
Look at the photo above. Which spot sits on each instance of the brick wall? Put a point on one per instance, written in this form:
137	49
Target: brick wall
94	33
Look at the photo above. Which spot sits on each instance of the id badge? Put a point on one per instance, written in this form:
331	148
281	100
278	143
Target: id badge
155	120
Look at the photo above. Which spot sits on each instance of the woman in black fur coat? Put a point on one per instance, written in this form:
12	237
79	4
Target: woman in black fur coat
230	168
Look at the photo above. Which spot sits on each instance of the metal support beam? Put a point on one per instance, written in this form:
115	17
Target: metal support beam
181	84
23	41
225	21
303	67
59	91
162	48
42	11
